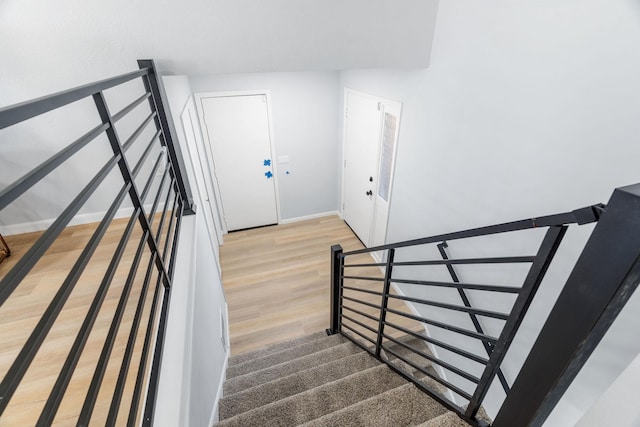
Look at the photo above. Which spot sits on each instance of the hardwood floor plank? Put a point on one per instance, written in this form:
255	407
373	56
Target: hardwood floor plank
276	280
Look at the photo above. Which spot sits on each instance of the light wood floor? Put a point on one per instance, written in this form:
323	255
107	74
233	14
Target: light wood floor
276	280
24	308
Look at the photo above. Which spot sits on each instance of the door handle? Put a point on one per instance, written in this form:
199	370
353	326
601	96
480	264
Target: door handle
369	193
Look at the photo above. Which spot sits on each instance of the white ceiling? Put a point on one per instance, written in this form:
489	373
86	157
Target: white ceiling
89	39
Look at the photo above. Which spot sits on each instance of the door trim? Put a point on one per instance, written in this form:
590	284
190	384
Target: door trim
219	225
199	96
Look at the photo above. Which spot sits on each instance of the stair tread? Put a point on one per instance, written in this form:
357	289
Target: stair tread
448	419
401	406
252	379
273	348
314	403
293	384
284	355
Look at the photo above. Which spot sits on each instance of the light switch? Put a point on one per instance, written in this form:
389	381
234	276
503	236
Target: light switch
283	160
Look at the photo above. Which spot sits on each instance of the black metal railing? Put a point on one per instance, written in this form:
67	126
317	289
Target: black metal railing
142	276
364	291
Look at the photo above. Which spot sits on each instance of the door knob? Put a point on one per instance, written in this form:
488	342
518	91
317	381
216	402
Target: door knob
369	193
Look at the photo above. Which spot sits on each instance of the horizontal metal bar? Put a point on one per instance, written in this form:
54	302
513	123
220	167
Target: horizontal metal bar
150	180
373	279
29	350
361	302
376	264
152	214
158	236
128	353
578	216
360	334
19	187
145	154
25	110
479	312
368	316
442	363
152	388
497	260
357	322
26	263
138	131
176	214
120	114
439	343
481	337
362	290
488	288
137	391
433	377
70	363
101	366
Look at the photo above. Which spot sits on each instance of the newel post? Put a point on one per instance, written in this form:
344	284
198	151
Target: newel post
602	281
336	272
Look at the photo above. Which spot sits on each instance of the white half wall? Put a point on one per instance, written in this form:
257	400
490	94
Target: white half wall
527	109
195	354
305	121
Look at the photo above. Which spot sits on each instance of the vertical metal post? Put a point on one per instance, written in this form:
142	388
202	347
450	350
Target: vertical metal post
336	289
158	101
385	298
604	278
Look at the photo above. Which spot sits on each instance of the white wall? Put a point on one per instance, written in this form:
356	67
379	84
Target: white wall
51	46
194	358
527	108
29	143
305	121
618	406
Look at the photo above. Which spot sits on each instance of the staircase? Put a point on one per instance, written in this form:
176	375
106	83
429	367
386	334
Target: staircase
319	380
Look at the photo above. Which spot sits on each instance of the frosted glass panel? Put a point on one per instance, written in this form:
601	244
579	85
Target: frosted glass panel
386	161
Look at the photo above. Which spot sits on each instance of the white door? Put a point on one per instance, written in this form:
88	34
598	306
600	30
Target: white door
362	142
371	134
240	140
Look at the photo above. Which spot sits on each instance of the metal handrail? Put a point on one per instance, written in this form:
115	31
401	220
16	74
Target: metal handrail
173	190
17	113
580	216
496	347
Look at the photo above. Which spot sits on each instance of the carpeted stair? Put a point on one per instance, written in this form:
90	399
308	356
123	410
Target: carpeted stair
321	381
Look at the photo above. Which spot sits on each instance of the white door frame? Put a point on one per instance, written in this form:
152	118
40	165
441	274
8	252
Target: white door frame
199	96
213	192
348	91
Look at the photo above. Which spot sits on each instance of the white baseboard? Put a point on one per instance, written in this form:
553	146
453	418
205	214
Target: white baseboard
87	218
219	395
306	217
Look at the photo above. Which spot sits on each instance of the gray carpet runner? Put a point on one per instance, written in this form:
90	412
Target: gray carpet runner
321	381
